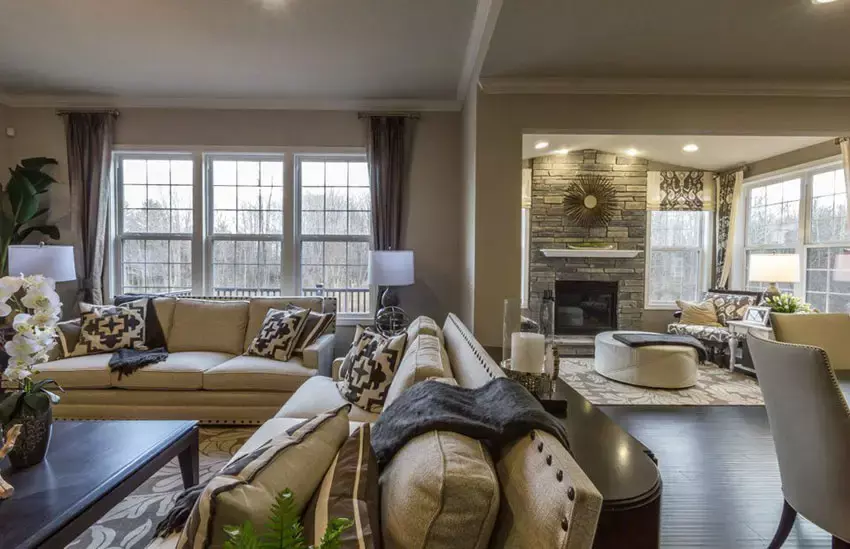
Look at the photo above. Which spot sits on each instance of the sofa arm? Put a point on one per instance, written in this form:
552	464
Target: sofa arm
336	367
320	354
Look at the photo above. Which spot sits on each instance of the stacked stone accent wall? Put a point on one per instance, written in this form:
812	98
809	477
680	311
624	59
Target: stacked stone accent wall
551	177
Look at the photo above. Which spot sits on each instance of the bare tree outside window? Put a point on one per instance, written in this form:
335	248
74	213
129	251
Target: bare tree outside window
676	256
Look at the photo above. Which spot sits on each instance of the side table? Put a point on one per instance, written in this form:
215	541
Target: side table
739	331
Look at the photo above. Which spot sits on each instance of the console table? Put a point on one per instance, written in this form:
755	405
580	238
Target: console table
739	331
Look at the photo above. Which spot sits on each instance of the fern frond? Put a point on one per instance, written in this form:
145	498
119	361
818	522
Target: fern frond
284	525
242	537
331	539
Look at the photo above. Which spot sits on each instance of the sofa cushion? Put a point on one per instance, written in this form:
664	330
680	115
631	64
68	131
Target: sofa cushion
440	491
259	306
254	373
246	488
716	334
350	491
320	394
107	328
424	325
425	358
78	372
278	336
179	371
200	325
165	313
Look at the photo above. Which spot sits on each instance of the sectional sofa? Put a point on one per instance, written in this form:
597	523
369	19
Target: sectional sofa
206	376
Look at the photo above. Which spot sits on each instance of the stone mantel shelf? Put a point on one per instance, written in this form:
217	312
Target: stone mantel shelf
613	254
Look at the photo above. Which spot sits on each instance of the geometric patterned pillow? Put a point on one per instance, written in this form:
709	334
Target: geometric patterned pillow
107	328
359	333
279	334
374	362
730	306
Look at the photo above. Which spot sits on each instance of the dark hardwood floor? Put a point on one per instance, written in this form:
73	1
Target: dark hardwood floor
721	479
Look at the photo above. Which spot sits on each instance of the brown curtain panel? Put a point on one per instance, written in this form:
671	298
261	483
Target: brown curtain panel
387	152
89	138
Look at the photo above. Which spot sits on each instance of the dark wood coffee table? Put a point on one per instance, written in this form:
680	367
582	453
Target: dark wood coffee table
90	467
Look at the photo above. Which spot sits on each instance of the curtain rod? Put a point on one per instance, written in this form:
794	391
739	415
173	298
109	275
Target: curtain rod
63	112
413	115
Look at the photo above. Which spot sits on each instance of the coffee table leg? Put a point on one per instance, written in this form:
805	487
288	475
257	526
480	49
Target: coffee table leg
189	462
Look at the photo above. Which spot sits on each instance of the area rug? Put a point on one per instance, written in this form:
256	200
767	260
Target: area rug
131	523
715	387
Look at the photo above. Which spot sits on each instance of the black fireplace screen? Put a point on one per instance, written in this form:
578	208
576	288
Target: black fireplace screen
585	307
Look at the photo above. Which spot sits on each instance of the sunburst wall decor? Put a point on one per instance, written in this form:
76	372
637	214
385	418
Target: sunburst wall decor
589	201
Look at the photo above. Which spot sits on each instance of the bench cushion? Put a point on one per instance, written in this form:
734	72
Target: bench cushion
255	373
319	394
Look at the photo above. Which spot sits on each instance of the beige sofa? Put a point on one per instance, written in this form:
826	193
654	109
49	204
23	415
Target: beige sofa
206	376
546	499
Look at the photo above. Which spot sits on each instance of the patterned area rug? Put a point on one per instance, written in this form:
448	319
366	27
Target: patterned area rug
131	523
715	387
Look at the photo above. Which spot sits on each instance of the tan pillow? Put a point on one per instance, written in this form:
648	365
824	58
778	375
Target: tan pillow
439	491
425	358
217	326
700	314
247	486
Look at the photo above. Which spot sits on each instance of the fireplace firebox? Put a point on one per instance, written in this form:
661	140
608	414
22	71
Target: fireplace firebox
585	307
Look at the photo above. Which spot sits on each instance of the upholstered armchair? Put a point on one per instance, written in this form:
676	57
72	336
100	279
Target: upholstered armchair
810	424
730	305
829	331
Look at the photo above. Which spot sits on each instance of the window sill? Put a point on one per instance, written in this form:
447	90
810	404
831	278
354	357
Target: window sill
353	319
661	307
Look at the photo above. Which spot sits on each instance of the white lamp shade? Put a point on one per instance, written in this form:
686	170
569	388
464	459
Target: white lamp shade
56	262
774	268
391	268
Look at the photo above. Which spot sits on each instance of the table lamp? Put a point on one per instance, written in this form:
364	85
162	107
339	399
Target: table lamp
774	268
55	262
389	269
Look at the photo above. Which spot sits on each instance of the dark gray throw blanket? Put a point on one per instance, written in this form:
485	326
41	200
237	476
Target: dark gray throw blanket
127	361
645	340
496	413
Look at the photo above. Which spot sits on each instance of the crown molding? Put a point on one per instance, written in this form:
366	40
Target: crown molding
666	86
483	25
127	102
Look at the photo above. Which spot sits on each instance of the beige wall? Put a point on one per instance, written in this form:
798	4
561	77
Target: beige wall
502	119
467	237
794	158
433	198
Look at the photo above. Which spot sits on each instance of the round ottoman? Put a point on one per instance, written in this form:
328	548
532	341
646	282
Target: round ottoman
659	366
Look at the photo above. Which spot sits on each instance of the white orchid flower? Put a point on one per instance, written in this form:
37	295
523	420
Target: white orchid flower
22	346
5	309
16	374
41	300
10	284
22	323
45	318
39	282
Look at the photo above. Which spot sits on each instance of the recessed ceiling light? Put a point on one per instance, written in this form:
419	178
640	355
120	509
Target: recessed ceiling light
691	148
561	151
632	152
541	145
822	1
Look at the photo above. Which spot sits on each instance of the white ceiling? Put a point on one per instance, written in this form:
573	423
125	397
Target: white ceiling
715	152
246	49
746	39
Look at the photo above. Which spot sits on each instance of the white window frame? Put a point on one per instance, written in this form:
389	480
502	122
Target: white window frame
705	261
115	275
806	173
347	318
211	237
202	204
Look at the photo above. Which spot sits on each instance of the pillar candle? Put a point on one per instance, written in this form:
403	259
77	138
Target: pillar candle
527	352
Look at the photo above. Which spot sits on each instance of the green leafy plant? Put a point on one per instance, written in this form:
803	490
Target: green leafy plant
787	303
283	530
33	399
20	205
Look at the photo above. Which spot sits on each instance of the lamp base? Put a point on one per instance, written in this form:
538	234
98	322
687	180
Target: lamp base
772	291
389	298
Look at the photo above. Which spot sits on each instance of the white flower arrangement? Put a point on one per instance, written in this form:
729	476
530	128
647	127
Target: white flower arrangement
37	313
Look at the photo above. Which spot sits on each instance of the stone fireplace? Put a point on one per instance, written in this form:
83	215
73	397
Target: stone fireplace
615	282
584	307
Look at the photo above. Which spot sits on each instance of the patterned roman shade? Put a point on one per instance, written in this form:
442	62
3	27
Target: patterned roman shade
680	190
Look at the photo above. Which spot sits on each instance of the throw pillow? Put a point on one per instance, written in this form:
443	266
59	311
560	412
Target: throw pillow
700	314
440	491
314	327
730	306
359	333
349	490
373	366
246	488
279	334
154	334
107	328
